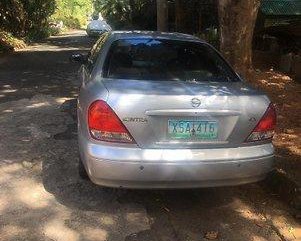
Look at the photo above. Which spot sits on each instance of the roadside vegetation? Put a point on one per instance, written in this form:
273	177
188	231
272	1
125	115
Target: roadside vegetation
128	14
24	21
8	42
73	13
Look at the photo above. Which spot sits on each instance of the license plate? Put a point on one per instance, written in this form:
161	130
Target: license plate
182	129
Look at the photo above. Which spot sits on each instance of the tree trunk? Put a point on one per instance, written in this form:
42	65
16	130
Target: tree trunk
180	15
200	22
237	20
162	15
132	11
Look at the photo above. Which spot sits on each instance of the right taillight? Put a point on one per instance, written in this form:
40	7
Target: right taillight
265	128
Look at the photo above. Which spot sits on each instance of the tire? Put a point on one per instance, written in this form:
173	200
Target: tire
82	170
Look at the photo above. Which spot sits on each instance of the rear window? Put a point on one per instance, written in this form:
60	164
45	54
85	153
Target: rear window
163	59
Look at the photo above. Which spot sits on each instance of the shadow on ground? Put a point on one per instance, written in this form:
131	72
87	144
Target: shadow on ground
42	69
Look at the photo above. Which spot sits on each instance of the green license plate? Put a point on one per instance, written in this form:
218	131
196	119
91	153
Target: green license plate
182	129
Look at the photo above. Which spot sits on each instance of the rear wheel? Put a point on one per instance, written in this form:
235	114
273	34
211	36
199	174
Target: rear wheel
82	170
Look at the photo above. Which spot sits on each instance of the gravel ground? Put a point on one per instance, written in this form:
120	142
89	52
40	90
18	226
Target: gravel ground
43	198
285	92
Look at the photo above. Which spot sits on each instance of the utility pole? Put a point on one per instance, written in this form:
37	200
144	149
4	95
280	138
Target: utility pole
162	15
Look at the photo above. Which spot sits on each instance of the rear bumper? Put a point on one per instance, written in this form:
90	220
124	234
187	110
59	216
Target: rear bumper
157	168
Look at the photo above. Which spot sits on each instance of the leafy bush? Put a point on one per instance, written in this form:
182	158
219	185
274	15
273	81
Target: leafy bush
71	22
54	31
24	17
38	33
128	14
73	13
9	43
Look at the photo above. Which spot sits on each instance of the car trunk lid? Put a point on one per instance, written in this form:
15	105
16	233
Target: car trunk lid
178	114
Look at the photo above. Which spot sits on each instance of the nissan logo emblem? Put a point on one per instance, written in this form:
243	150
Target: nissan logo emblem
195	102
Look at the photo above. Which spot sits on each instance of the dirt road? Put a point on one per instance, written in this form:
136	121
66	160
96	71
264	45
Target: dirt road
43	198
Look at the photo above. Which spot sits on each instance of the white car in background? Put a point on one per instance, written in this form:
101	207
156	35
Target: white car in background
97	27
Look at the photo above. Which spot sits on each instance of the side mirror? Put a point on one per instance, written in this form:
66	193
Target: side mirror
78	58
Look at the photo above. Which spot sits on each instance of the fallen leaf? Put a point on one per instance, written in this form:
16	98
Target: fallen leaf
297	215
211	235
260	224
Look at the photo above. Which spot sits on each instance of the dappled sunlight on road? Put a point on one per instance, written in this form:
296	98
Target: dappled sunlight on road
32	194
10	232
56	229
246	211
96	234
8	91
37	105
42	68
31	159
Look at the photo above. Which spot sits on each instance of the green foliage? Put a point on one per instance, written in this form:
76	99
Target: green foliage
9	42
37	33
211	36
55	30
73	13
128	14
12	16
26	17
30	18
72	22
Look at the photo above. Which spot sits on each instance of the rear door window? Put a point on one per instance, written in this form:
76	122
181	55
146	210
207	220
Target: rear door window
95	51
163	59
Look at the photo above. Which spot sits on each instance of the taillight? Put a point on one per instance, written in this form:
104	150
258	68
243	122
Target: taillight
104	124
265	128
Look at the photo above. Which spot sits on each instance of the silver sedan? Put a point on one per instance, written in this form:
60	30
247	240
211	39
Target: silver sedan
165	110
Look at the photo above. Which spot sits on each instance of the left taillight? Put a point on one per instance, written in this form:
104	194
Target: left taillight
104	124
265	128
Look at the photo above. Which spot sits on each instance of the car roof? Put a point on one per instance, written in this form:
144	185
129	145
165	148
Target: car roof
154	34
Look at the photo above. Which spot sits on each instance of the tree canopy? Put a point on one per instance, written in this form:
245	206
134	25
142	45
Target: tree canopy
31	18
128	14
23	17
74	13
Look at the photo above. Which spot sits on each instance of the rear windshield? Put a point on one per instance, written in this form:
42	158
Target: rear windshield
164	59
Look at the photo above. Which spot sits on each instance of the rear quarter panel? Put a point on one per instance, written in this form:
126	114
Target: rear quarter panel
89	92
